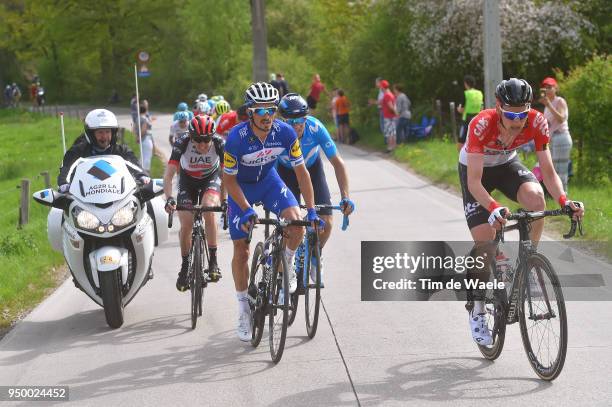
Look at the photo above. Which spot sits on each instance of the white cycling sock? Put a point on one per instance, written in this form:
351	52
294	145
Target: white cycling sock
290	256
243	301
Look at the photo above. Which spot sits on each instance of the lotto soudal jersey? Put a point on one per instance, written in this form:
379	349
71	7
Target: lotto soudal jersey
193	163
315	138
250	159
483	137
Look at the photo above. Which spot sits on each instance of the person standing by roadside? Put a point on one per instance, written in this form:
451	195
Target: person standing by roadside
343	107
134	113
378	103
8	96
402	106
389	116
15	95
556	113
146	138
473	106
315	92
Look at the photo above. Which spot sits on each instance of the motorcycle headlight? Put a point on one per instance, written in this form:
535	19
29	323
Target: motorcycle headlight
86	220
123	216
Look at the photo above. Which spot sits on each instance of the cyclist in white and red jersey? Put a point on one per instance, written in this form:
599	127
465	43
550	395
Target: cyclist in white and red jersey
489	161
197	155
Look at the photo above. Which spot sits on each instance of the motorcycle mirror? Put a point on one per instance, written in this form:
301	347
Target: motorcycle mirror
46	196
157	185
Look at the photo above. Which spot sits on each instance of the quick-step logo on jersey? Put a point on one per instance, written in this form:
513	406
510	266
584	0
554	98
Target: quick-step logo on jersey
261	157
296	150
101	170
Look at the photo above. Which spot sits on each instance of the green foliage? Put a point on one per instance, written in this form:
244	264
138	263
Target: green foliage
587	90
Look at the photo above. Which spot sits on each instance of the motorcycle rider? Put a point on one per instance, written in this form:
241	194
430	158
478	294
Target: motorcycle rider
101	128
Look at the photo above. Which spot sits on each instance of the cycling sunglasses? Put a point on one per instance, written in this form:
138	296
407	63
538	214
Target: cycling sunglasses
201	139
293	122
262	111
515	116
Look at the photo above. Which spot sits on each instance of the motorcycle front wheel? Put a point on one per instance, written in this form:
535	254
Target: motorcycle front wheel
110	286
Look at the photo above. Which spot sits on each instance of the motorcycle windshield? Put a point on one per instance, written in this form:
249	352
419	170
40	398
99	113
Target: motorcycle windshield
102	179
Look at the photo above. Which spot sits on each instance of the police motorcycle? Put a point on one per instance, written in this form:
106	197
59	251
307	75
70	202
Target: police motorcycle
107	226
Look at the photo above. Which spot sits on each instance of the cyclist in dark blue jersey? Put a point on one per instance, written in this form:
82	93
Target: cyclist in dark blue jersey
249	175
313	137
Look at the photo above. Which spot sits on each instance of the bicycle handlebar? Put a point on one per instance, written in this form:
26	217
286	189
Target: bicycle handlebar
345	218
528	216
196	208
274	222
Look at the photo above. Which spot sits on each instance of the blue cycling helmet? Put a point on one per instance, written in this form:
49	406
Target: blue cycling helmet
293	106
181	116
182	107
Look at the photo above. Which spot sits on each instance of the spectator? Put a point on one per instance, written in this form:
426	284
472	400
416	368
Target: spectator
378	103
146	138
134	113
402	106
389	115
473	105
278	81
8	96
343	106
334	113
34	93
315	92
114	99
556	114
283	82
156	151
15	95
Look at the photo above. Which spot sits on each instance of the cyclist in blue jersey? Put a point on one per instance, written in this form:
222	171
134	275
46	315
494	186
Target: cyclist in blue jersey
313	137
250	176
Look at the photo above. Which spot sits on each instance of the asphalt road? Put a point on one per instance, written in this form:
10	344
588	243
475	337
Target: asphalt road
368	353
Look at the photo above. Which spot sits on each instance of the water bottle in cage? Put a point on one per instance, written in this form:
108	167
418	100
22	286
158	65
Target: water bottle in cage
503	268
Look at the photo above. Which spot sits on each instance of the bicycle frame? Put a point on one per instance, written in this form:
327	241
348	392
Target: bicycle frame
526	248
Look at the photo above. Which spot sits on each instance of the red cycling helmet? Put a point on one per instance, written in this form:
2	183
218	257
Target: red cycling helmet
202	126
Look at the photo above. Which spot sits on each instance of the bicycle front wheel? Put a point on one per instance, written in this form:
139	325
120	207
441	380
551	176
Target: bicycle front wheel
312	290
195	280
278	306
256	288
542	317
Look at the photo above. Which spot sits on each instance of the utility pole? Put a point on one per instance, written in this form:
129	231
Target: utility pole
260	43
492	51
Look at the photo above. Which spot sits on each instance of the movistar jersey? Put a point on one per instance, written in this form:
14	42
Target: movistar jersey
315	137
250	159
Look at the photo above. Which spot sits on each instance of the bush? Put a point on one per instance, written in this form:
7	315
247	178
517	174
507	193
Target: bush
587	90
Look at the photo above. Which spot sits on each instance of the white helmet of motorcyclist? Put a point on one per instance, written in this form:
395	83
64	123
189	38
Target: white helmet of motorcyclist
100	119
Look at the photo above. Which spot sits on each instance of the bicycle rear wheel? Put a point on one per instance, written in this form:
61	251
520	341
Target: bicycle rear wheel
542	317
257	286
278	307
295	297
312	290
495	305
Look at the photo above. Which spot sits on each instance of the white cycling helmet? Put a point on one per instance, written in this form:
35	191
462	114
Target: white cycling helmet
100	119
261	92
202	98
